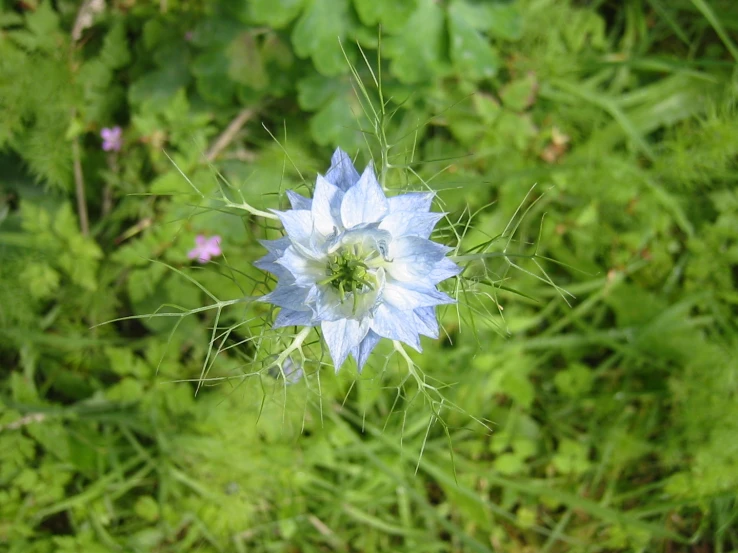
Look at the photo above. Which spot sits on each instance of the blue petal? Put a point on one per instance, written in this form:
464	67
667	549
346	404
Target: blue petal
276	249
365	202
342	172
277	246
411	295
288	294
288	317
326	207
367	345
342	336
410	223
306	271
414	201
425	321
396	324
415	258
442	270
298	224
298	201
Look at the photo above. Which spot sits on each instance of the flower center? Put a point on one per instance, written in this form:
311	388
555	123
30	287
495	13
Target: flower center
347	272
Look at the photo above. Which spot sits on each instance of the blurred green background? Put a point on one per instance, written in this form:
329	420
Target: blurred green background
614	421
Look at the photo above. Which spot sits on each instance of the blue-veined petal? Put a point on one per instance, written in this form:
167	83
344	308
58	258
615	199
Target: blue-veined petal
297	223
395	324
364	202
367	345
305	270
288	294
342	336
276	249
288	317
342	172
326	208
426	322
442	270
411	295
298	201
414	201
414	258
409	223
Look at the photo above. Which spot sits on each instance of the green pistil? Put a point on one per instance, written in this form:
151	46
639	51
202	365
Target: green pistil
347	272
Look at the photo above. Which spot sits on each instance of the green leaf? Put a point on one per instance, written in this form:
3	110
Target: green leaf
390	14
571	457
416	50
147	508
339	113
212	69
44	24
274	13
314	92
509	464
499	20
574	381
115	53
42	281
519	95
245	62
318	32
519	388
472	55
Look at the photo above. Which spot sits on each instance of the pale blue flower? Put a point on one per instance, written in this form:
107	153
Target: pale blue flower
358	264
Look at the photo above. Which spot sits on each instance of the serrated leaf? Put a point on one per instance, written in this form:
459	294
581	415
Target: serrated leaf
318	32
472	54
417	49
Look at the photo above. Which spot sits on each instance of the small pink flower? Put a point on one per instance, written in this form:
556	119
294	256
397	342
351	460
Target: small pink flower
205	248
112	138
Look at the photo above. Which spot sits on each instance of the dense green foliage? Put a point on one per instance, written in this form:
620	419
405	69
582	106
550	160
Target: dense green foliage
613	418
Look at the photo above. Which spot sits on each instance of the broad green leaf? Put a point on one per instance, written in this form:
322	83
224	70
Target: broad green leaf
274	13
246	65
115	53
518	387
390	14
571	457
574	381
519	95
338	116
499	20
318	34
338	122
472	54
147	508
416	51
315	91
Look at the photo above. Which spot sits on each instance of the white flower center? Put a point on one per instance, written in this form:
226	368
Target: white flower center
353	266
